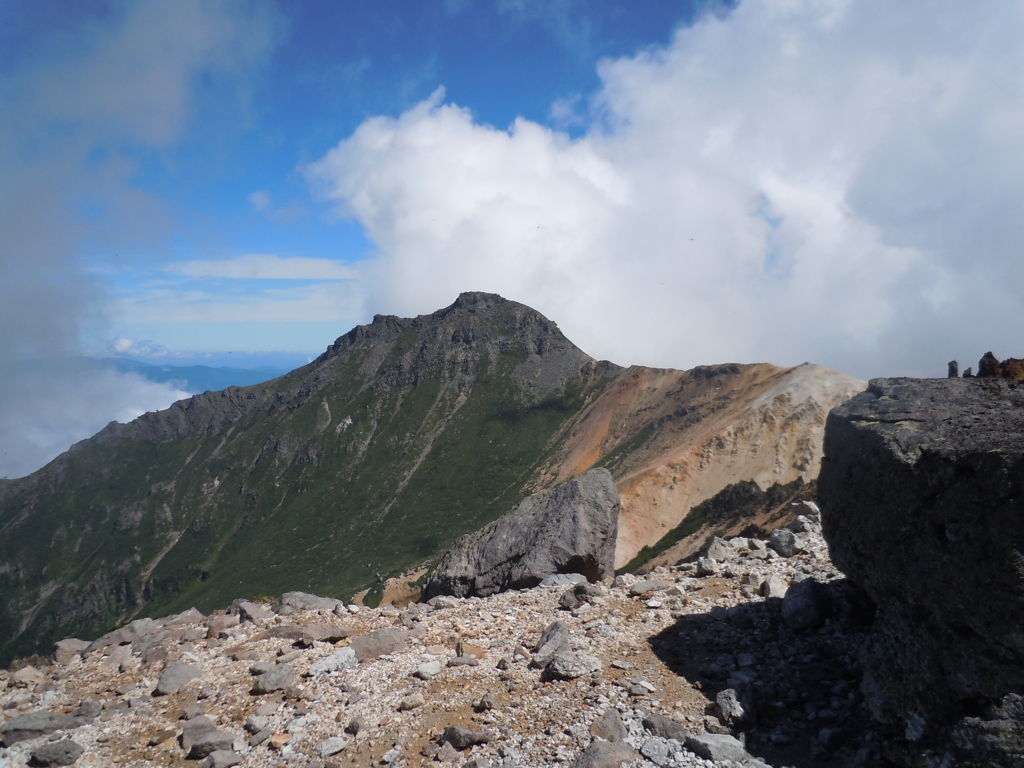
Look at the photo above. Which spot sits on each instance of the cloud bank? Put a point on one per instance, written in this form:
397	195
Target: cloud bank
829	180
81	106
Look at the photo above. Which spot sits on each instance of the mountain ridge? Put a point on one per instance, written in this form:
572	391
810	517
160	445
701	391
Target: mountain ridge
347	471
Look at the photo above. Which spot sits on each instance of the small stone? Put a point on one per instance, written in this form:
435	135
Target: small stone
570	665
378	642
784	542
353	609
277	679
161	737
774	586
428	671
463	738
486	703
355	725
706	567
222	758
175	676
279	740
63	752
391	755
606	754
655	750
260	737
463	661
609	726
411	702
553	640
716	746
256	723
344	658
331	746
665	727
32	725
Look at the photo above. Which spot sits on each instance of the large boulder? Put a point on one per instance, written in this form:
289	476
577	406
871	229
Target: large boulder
570	528
922	495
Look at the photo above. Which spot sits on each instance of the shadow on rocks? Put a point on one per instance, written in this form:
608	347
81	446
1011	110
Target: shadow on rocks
787	676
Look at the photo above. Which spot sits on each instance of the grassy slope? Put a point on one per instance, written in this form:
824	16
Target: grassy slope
277	502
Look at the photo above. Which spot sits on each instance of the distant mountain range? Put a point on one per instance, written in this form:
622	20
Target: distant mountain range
194	379
367	463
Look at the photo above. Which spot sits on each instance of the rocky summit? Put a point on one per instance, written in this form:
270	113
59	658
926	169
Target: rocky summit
351	476
747	657
922	490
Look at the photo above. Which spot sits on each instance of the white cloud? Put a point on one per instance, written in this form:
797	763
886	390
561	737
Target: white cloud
264	266
51	415
834	180
260	200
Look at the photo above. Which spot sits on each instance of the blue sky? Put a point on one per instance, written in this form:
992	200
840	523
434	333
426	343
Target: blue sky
236	183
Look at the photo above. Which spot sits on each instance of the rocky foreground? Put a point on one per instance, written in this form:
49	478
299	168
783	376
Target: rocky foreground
746	657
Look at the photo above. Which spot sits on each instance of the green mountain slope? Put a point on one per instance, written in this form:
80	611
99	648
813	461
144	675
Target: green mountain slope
404	435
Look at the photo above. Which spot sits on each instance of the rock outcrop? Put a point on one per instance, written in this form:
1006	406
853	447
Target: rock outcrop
568	529
922	494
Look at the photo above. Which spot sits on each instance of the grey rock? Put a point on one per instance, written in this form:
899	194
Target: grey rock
733	710
803	607
369	646
32	725
921	508
256	723
222	758
562	580
719	551
254	612
706	567
343	658
261	667
774	586
191	616
665	727
88	709
63	752
655	750
442	602
568	528
175	676
277	679
218	626
609	726
578	595
259	737
784	542
428	670
716	746
66	650
290	602
410	702
606	754
651	585
200	738
569	665
554	639
463	738
331	746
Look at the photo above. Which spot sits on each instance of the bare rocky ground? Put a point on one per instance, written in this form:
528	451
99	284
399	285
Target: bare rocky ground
746	657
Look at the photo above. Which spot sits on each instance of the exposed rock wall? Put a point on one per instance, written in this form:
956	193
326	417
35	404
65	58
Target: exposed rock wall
922	494
567	529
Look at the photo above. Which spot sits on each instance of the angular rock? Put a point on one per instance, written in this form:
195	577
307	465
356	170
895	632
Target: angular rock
200	737
410	702
176	675
27	677
922	508
562	580
652	585
655	750
774	586
63	752
277	679
784	542
343	658
733	710
32	725
568	528
665	727
373	644
222	758
717	746
609	726
569	665
579	594
254	612
463	738
803	606
65	650
290	602
554	639
331	746
606	754
428	670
